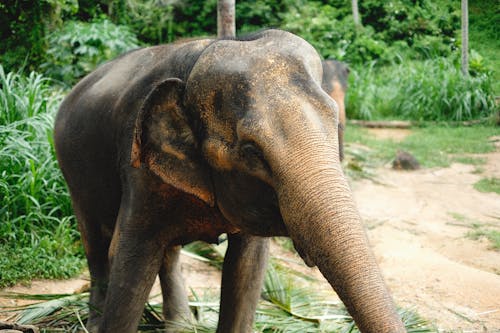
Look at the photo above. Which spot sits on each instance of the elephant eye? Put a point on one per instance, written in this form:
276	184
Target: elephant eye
253	155
250	150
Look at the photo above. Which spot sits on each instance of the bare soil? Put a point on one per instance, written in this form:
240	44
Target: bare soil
417	223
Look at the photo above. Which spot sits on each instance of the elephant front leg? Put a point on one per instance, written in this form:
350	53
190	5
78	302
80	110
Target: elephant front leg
242	276
175	300
137	254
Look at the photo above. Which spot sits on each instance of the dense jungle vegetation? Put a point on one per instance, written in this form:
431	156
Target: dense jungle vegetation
404	62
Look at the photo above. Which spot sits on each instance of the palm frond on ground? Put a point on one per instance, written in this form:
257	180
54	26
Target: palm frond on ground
284	307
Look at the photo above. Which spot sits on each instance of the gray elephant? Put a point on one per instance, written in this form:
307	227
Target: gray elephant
335	74
175	143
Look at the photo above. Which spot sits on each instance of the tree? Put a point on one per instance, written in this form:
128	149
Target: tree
226	26
465	37
355	12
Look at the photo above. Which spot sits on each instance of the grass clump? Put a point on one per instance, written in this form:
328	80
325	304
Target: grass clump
479	230
37	228
488	185
493	236
430	90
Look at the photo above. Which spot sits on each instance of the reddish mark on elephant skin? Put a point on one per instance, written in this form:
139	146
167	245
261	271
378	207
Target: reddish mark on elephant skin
196	219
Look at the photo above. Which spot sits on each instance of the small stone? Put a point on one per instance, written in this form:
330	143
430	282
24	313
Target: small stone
405	161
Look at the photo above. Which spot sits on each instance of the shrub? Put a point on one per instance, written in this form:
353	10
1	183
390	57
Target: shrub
332	35
79	47
417	29
23	27
410	20
151	20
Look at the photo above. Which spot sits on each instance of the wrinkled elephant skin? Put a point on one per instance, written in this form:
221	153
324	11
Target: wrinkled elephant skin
175	143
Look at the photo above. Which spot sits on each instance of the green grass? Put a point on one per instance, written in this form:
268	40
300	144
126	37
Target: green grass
433	146
430	90
488	185
469	160
38	237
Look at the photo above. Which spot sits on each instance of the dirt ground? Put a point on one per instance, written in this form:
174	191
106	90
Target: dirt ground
417	223
421	246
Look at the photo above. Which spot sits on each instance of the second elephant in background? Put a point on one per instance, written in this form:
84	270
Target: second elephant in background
335	75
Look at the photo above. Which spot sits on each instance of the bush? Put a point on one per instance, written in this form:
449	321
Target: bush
79	47
409	20
431	90
151	20
36	220
24	26
332	35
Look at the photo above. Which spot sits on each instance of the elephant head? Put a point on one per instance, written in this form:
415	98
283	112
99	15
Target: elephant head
252	133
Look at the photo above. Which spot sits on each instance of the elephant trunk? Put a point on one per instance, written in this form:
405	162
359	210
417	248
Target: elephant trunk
323	222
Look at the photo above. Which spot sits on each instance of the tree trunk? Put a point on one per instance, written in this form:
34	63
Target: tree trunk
226	26
355	12
465	37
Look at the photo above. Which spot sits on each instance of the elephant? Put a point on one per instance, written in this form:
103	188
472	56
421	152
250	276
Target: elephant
186	141
334	82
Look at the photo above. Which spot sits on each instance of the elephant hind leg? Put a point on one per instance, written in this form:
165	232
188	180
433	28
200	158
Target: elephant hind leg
96	214
175	301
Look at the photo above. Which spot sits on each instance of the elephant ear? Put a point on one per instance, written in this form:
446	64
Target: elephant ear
164	143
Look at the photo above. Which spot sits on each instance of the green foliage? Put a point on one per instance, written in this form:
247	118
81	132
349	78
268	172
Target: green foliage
196	18
38	236
431	90
418	30
254	15
152	20
79	47
488	185
332	35
22	32
484	35
209	253
424	25
24	26
160	21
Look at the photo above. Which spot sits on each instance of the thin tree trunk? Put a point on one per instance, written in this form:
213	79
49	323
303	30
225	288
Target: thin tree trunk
355	12
226	26
465	37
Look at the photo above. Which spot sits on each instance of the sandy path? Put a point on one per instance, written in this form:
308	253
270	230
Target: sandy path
424	254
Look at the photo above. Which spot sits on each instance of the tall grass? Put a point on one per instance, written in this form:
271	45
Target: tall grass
37	233
430	90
